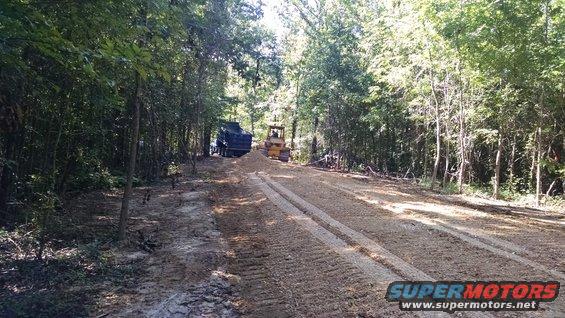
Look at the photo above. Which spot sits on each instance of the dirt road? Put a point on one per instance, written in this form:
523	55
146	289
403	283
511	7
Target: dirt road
307	242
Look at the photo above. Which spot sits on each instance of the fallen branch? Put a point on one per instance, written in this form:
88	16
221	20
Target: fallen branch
551	187
16	245
371	170
317	161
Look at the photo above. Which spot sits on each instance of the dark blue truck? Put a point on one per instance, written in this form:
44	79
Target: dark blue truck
232	141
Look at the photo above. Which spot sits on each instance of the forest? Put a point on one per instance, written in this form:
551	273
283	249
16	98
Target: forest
98	94
462	95
108	99
466	95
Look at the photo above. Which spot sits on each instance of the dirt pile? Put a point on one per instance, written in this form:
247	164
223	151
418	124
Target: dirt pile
253	161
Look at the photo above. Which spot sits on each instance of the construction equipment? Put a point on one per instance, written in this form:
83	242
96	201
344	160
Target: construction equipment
232	141
274	145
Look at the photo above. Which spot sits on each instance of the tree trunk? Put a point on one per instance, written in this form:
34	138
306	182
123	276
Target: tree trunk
461	174
183	142
293	132
194	153
314	145
156	151
496	189
203	60
446	171
438	148
563	179
425	151
252	120
532	176
294	115
447	131
206	139
542	109
133	156
134	141
538	168
6	178
70	165
511	163
548	193
438	127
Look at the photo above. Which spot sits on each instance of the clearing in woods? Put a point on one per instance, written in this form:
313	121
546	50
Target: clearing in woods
115	203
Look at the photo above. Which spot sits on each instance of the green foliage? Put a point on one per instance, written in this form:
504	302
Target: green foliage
379	75
68	75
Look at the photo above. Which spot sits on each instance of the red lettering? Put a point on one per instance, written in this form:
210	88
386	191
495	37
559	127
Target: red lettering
550	291
472	291
535	291
520	291
505	290
490	291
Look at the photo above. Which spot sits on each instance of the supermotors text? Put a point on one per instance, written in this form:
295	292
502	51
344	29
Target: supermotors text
453	296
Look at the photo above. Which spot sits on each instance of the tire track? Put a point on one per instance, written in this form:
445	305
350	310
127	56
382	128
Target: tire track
287	272
382	227
495	245
399	208
406	269
513	217
374	271
531	242
375	251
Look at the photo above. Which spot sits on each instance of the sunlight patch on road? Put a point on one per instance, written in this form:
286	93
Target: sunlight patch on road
497	246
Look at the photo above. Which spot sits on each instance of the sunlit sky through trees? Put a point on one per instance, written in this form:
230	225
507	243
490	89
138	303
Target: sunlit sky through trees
271	18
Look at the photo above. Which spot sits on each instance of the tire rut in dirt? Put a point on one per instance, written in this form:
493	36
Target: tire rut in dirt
452	261
409	239
285	271
437	253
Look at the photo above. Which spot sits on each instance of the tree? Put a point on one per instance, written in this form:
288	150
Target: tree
387	80
94	90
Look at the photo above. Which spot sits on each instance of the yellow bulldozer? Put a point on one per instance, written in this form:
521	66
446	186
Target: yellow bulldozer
274	145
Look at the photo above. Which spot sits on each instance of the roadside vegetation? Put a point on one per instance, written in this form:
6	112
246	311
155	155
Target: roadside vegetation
463	95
